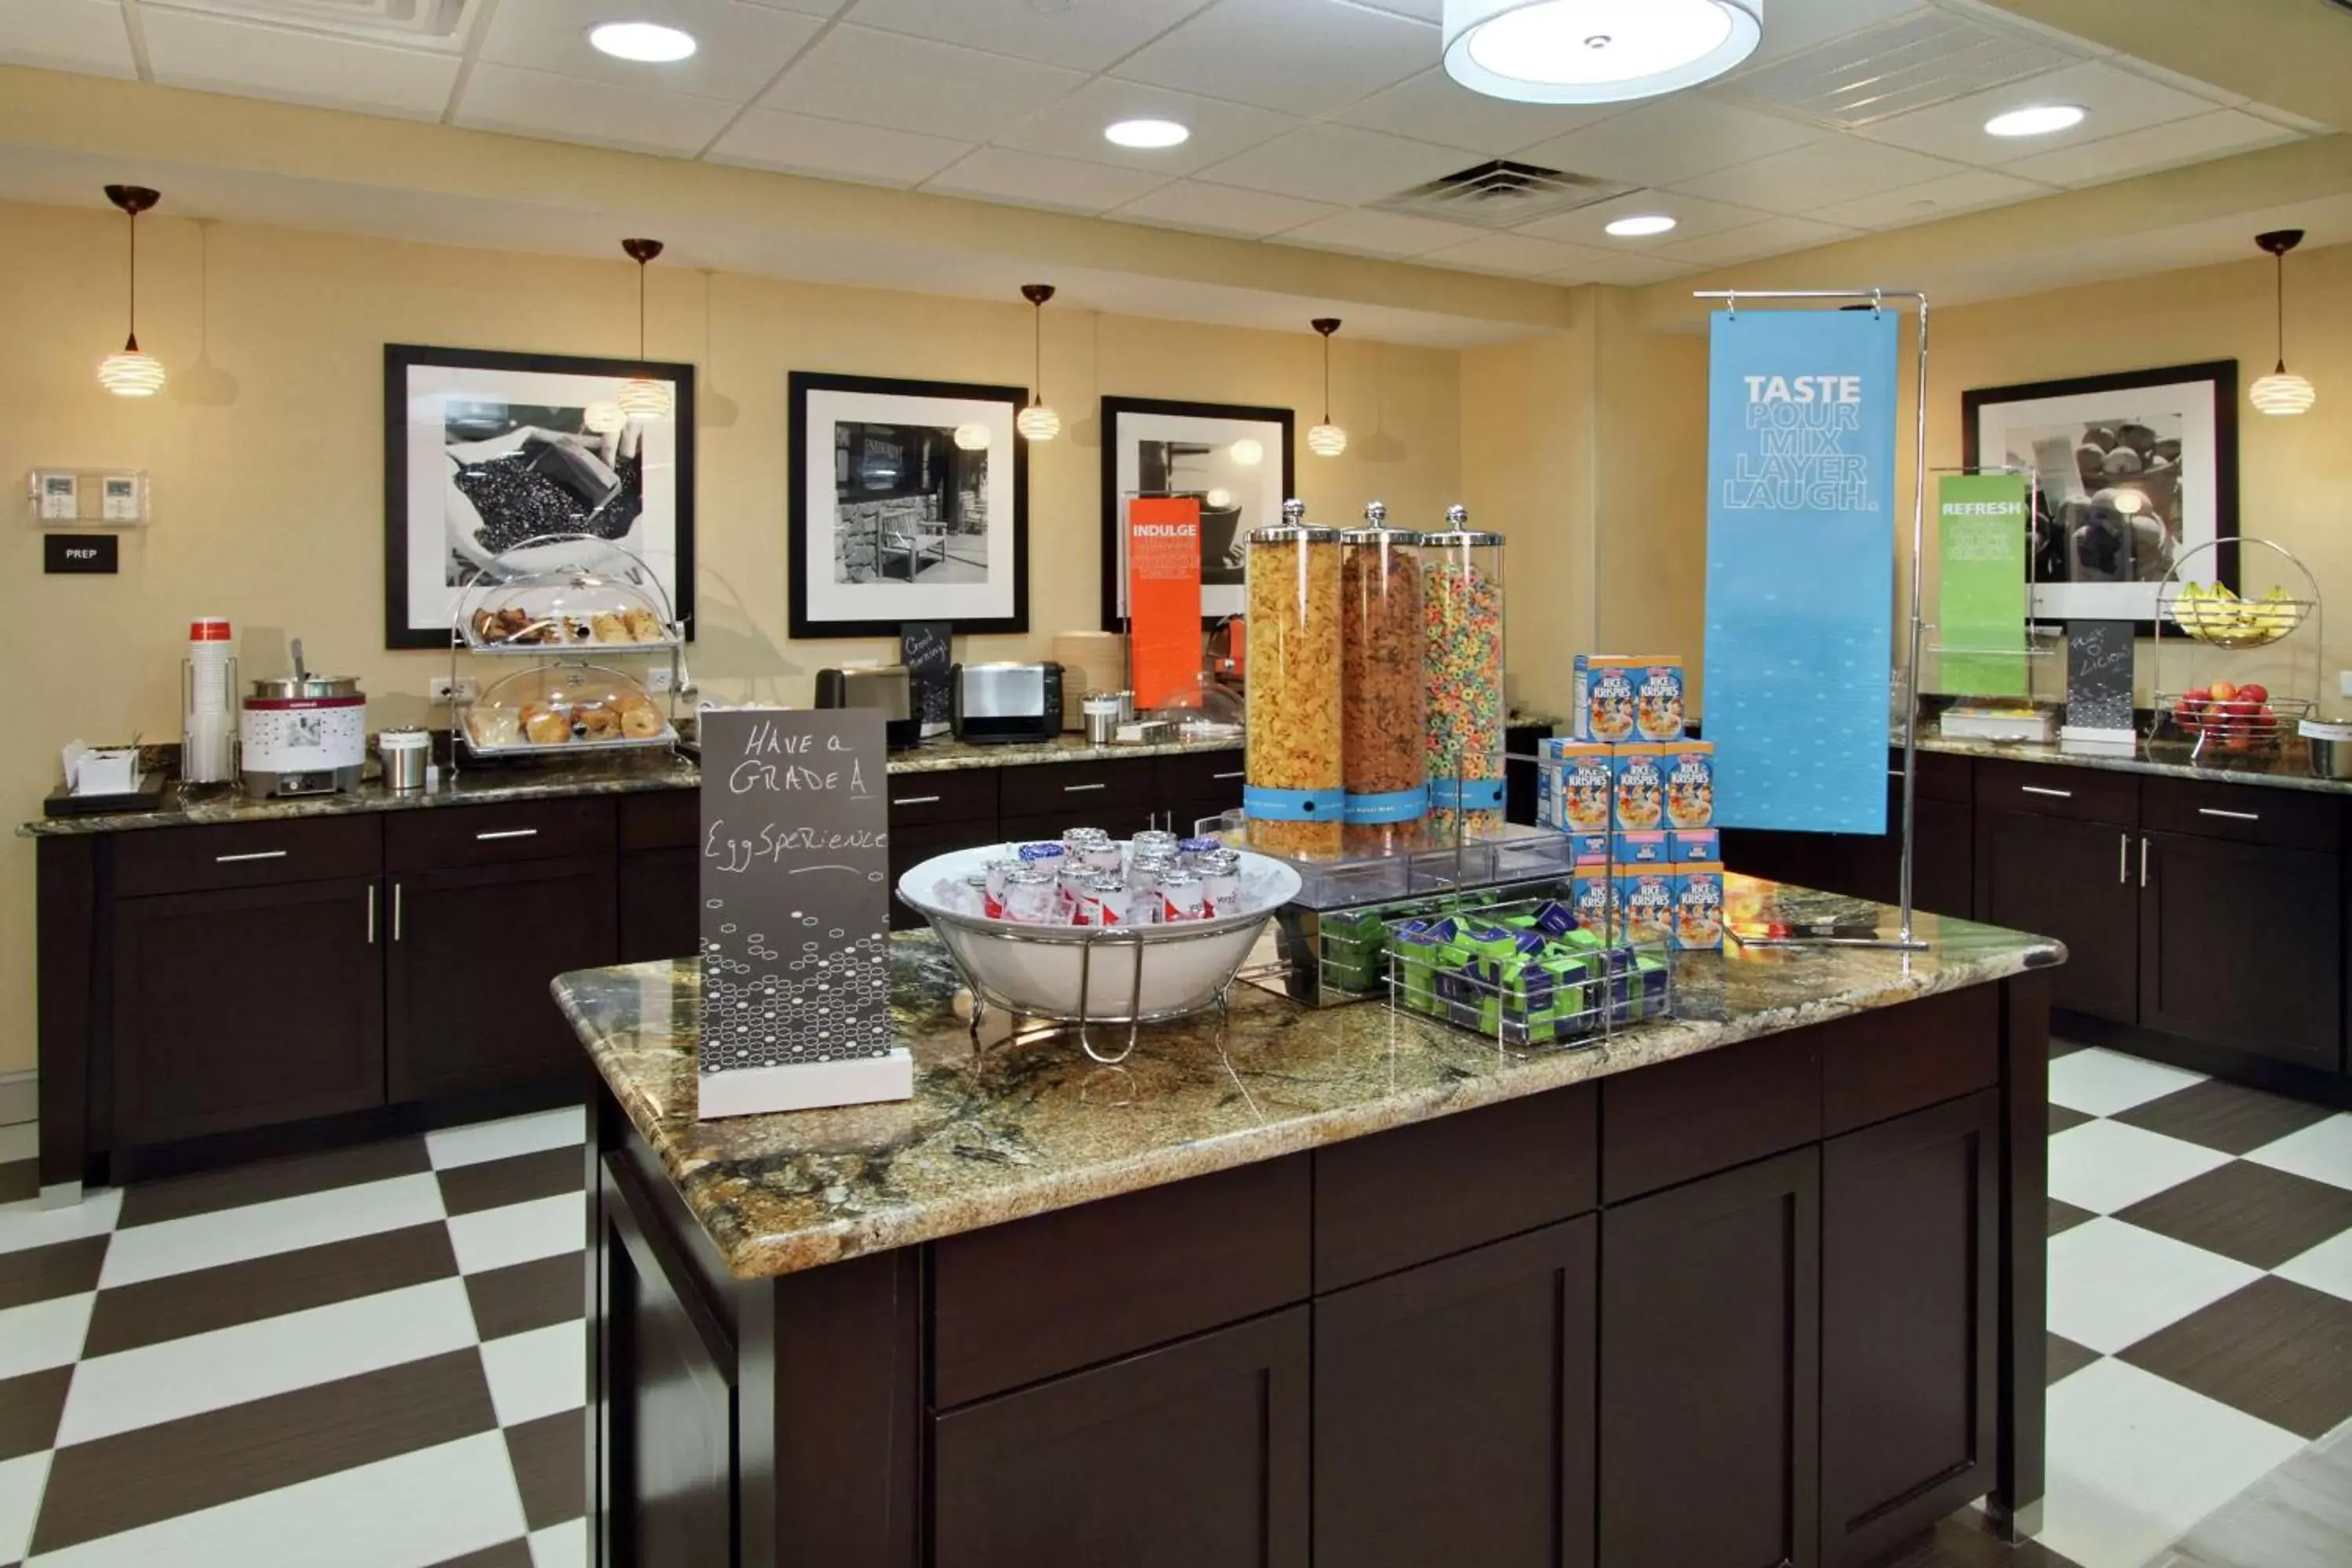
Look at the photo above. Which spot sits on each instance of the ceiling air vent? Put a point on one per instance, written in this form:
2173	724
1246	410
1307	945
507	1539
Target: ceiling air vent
399	21
1502	195
1928	58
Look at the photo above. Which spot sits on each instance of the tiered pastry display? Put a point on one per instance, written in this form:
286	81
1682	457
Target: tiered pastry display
606	603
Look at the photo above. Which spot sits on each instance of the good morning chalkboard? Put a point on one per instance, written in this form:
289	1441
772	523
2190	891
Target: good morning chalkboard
795	917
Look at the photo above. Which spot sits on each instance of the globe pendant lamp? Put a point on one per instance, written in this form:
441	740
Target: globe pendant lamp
642	397
1327	439
1037	422
2281	390
1595	51
133	373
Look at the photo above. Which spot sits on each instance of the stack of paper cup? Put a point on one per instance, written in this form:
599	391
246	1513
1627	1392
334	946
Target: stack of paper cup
208	727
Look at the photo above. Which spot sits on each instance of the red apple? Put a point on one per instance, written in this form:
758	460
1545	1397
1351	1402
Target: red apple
2224	691
2253	692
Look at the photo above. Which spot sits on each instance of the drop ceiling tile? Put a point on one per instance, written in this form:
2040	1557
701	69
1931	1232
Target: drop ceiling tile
2162	146
1937	198
1073	127
1433	107
1379	234
1515	254
1918	58
1223	209
1338	163
805	7
1790	26
1629	272
86	36
1033	179
1803	178
2117	100
219	55
740	47
913	84
2292	121
542	103
1773	236
1693	217
1082	37
2217	96
1303	56
804	144
1666	142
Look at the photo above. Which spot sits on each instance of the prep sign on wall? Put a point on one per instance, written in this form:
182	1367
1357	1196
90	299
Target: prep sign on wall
796	883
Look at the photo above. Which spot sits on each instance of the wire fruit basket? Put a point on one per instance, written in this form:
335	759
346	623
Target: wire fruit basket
2248	704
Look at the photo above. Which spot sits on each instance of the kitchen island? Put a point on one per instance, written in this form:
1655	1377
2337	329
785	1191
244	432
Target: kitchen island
1761	1284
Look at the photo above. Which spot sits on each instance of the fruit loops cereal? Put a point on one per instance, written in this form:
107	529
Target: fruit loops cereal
1464	613
1294	686
1383	695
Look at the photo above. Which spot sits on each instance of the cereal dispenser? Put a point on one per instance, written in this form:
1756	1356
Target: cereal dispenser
1383	688
1461	597
1293	793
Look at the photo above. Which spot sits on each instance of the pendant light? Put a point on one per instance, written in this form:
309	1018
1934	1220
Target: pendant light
1594	51
133	373
2281	390
1327	439
642	397
1037	422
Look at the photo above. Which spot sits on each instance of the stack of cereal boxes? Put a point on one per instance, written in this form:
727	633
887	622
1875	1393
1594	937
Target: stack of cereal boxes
1637	801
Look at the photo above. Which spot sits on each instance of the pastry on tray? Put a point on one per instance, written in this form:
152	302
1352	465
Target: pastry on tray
644	626
611	626
489	728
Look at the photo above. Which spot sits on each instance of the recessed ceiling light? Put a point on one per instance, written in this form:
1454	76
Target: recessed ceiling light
2040	120
1146	134
1641	224
646	41
1595	51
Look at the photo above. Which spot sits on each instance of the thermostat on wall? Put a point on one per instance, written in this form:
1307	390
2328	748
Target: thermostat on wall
77	497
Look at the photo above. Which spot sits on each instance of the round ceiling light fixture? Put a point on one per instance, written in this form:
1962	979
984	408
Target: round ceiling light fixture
1595	51
649	43
1641	226
1147	134
2037	120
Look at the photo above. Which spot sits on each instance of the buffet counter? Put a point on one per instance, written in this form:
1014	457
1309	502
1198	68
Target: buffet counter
1169	1312
2289	769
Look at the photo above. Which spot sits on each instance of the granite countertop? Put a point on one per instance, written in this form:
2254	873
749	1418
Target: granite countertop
626	772
1007	1128
2290	769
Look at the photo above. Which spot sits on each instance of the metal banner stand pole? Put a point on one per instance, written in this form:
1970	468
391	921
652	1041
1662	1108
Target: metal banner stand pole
1903	941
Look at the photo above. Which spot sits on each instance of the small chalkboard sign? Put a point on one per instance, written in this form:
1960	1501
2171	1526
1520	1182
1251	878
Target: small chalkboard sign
926	649
2099	667
795	884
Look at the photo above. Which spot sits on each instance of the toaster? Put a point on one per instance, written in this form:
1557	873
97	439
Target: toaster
1006	702
889	686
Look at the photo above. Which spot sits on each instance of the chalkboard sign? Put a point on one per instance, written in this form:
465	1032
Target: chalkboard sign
2099	663
795	918
926	650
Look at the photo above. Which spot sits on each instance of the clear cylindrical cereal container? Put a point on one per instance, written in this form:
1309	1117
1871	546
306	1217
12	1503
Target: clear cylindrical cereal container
1462	598
1383	690
1293	789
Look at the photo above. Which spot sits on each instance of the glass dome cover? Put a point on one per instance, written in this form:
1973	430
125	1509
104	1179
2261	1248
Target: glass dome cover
559	707
567	607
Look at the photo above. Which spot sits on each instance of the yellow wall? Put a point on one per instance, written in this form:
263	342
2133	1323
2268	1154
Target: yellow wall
1650	451
269	505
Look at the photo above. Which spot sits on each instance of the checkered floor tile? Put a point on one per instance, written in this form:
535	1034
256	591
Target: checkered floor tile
372	1356
381	1347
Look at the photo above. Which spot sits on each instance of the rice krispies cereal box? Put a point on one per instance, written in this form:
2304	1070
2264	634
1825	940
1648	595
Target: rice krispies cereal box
1593	891
1572	786
1646	898
1618	698
1689	769
1698	907
1658	701
1638	788
1696	847
1641	849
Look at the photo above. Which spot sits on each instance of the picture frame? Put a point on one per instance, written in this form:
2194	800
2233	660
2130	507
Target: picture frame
894	516
485	448
2134	469
1156	447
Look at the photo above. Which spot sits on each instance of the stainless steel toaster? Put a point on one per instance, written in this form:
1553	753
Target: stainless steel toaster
889	686
1006	702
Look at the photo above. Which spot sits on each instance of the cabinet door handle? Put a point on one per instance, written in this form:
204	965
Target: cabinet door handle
250	855
917	800
2123	858
2143	859
371	914
2054	793
2230	816
1080	789
509	833
395	911
1236	773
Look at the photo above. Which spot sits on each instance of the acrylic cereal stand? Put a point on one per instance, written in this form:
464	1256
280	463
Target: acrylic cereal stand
1293	787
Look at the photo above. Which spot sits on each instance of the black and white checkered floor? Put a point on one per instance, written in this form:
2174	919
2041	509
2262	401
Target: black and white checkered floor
374	1357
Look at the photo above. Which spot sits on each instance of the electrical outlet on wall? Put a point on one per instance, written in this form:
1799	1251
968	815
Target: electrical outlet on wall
657	678
462	686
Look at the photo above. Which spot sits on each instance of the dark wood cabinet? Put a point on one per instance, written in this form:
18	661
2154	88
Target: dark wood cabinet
1454	1410
2242	945
660	912
247	1007
1910	1231
470	955
2076	880
1193	1456
1943	856
1710	1388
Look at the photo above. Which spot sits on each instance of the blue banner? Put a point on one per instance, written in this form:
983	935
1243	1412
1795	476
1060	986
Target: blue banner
1801	566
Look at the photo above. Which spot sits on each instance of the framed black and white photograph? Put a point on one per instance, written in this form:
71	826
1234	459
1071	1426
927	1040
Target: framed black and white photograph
1236	461
2133	471
909	501
485	452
